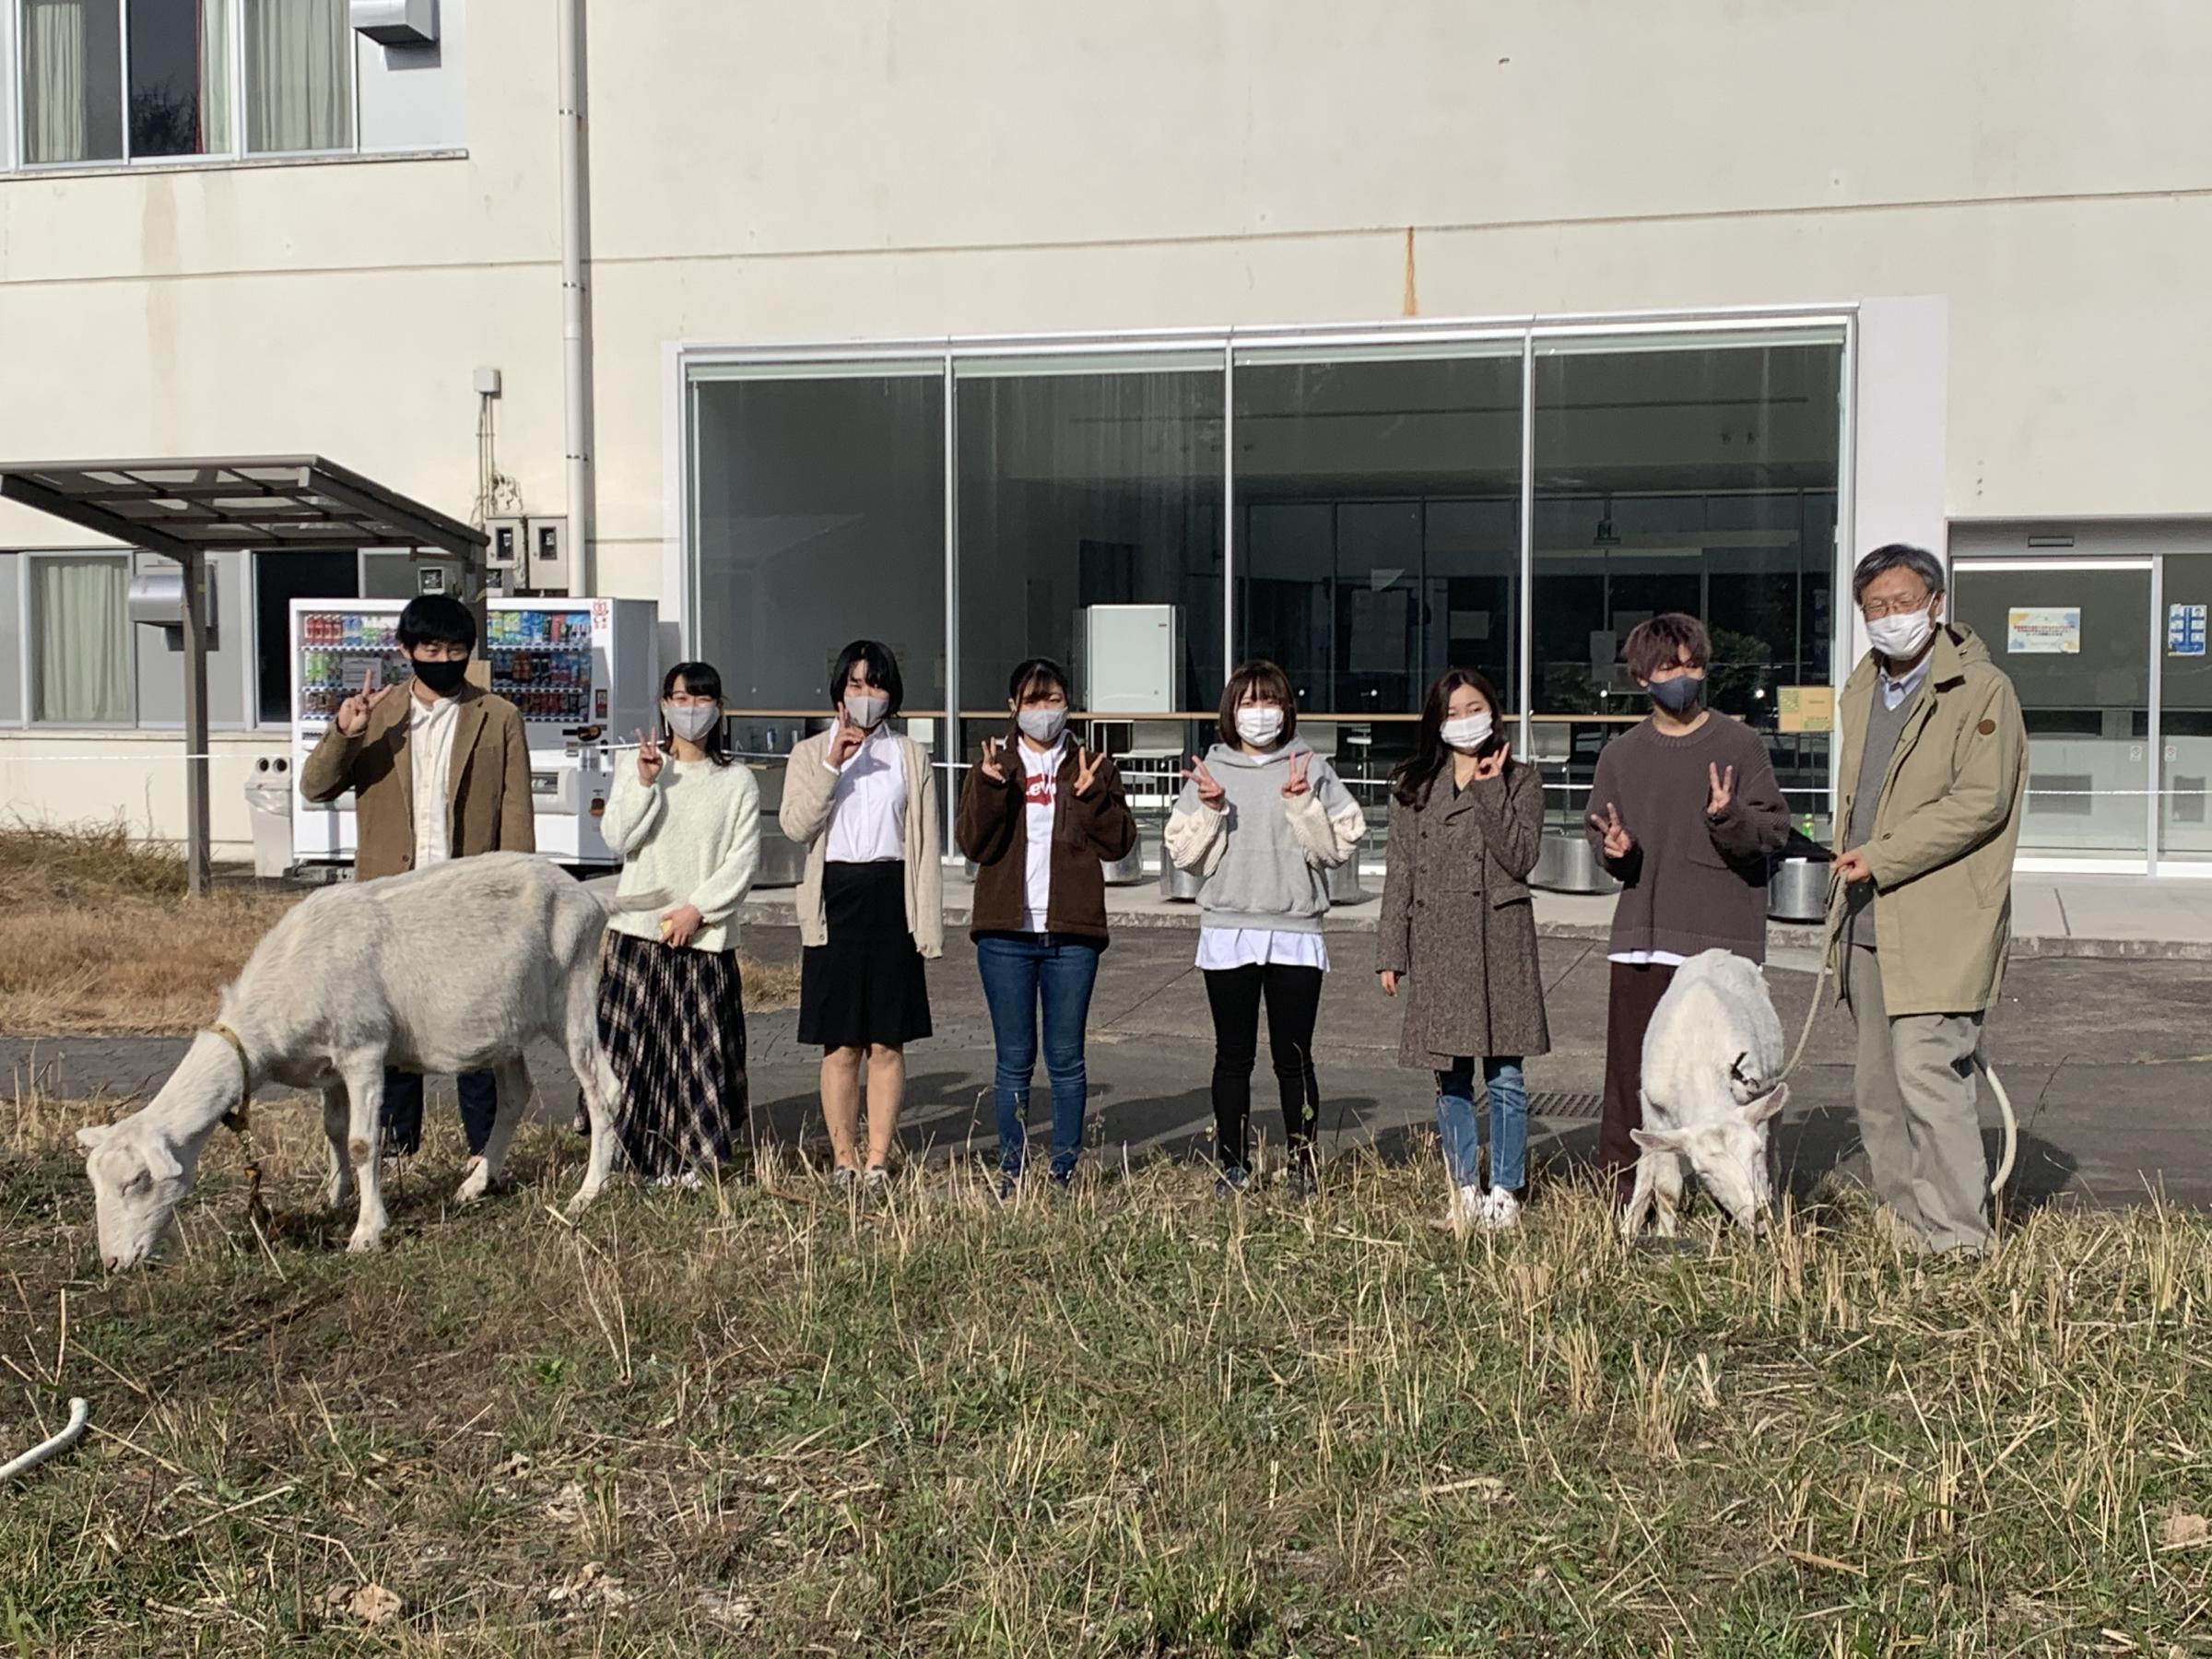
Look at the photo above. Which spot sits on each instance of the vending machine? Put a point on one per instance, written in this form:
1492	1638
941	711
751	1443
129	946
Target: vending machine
583	674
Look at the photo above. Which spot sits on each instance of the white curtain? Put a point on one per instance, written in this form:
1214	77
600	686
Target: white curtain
81	612
298	75
72	80
215	77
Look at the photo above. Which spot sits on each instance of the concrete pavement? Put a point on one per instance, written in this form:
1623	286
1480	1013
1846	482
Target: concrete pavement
2109	1063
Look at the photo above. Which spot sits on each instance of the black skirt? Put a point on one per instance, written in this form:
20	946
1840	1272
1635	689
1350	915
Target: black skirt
673	1025
866	984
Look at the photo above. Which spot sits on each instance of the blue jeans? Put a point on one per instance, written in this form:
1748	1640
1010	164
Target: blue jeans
1021	971
1457	1126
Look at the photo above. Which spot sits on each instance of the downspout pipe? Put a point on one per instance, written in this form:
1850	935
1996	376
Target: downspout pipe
575	327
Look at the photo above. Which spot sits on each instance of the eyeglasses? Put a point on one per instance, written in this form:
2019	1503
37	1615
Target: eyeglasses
1873	609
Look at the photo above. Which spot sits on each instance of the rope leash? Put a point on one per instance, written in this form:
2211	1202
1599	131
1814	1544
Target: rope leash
1832	929
239	1123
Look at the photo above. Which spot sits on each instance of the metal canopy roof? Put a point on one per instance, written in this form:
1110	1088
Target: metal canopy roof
265	503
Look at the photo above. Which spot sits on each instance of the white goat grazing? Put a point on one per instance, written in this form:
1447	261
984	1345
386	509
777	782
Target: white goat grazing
1711	1061
448	969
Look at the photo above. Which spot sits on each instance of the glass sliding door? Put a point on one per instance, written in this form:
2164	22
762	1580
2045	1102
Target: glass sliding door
1695	474
818	518
1378	532
2074	637
1088	516
2185	711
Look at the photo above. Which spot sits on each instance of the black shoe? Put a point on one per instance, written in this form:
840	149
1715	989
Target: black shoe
1008	1186
1232	1182
1302	1182
1063	1184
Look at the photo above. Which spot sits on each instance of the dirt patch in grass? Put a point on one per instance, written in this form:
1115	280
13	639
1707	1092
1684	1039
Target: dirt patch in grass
97	937
1133	1421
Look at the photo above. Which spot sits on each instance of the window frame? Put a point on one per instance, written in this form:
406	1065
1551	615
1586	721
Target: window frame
34	717
233	152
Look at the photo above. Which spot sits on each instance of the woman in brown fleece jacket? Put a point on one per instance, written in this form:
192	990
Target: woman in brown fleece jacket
1038	814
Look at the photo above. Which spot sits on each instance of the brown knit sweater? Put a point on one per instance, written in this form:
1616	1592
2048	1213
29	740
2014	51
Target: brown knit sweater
1694	883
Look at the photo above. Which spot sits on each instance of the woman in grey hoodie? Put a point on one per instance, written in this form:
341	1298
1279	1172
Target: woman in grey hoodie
1260	818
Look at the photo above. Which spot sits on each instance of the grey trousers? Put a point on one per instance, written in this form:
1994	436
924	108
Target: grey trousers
1918	1119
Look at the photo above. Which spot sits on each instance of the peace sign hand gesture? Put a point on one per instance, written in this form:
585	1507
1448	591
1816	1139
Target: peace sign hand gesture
649	759
1723	787
994	763
1617	844
1088	764
353	713
1296	784
1491	765
1211	795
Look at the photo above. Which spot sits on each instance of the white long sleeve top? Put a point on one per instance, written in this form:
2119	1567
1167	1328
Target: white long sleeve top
694	835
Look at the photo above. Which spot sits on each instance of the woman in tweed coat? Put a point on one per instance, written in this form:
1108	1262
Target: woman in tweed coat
1458	930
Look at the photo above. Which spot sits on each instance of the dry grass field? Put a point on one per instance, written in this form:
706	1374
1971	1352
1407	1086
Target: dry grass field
97	937
1132	1422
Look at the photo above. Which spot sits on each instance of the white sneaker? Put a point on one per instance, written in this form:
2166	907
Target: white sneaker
1466	1208
1500	1208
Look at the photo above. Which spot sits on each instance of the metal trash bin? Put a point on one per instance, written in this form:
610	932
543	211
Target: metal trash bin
1127	870
782	860
1343	882
1797	890
269	811
1567	862
1178	885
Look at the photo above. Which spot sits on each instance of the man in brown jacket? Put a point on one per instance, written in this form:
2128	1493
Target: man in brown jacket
439	770
1932	774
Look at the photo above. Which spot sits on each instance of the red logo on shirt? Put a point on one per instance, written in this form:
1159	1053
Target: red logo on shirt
1040	791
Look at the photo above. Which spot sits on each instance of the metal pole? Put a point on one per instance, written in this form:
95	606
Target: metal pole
575	324
197	856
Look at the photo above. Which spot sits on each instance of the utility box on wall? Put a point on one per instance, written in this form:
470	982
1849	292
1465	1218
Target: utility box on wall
546	559
397	22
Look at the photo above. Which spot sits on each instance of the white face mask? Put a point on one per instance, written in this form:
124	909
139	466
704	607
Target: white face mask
866	713
1900	635
1043	725
1260	724
691	721
1466	734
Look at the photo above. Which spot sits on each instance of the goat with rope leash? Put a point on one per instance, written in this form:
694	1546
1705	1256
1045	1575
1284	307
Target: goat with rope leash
1838	910
240	1124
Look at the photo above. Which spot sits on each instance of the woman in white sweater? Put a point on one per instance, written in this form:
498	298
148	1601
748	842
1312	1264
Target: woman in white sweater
686	821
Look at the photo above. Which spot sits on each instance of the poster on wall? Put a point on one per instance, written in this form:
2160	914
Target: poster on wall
2186	630
1806	709
2044	630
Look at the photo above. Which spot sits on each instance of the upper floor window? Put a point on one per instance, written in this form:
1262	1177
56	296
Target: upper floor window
127	80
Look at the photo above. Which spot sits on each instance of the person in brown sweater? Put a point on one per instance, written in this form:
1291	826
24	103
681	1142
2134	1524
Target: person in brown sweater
1037	815
1686	811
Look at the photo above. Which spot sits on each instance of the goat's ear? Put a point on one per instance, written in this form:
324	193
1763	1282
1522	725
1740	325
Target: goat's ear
92	1136
160	1161
1657	1140
1760	1109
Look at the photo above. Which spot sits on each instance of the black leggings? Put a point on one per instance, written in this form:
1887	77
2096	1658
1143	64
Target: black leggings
1293	997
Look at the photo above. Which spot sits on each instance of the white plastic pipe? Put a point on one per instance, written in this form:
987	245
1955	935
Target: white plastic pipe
574	326
72	1431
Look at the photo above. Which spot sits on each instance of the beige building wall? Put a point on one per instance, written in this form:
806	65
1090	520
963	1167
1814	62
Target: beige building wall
888	168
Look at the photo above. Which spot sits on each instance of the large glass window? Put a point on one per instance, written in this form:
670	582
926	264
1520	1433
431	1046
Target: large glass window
299	57
278	578
821	519
1694	475
81	638
1085	487
1378	536
2185	729
72	80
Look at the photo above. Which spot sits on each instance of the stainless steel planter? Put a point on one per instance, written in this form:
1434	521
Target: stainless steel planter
1567	862
782	860
1178	885
1797	891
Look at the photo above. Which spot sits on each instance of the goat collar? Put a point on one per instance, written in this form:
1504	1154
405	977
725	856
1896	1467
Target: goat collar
236	1120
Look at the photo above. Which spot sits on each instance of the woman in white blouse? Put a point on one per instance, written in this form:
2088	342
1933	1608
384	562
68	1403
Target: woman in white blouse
685	820
862	801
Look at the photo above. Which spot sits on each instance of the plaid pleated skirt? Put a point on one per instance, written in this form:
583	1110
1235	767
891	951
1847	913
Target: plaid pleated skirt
673	1024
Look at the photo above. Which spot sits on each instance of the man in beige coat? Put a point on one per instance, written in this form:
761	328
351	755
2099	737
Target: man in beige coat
1932	775
439	770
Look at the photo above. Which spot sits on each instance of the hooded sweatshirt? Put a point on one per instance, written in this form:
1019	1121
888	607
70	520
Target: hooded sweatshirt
1263	855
